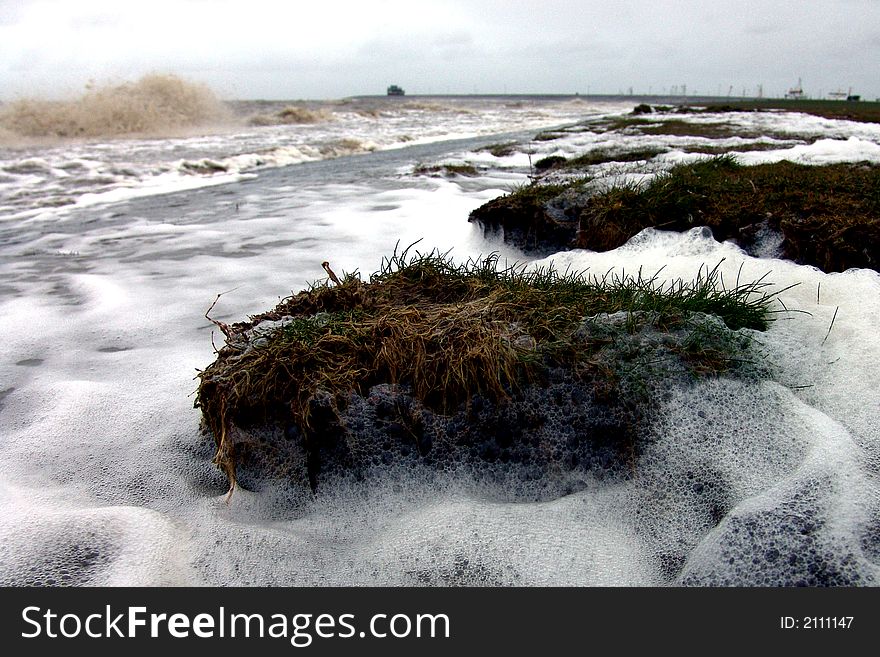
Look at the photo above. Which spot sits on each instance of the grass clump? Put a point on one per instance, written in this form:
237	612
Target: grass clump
604	155
599	156
448	332
828	216
670	126
448	170
713	149
524	217
549	135
596	157
550	162
620	123
681	128
503	149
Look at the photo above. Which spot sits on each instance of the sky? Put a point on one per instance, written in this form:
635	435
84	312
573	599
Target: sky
323	49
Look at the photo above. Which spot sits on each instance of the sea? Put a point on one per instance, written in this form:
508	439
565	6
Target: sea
113	247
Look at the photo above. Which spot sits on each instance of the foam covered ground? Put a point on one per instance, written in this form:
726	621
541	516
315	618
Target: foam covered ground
107	481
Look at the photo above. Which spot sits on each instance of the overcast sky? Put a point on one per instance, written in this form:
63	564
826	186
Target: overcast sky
335	48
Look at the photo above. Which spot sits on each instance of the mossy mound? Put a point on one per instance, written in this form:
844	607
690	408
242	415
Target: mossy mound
825	216
473	363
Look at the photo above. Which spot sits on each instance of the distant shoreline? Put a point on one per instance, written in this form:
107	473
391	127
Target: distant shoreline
863	110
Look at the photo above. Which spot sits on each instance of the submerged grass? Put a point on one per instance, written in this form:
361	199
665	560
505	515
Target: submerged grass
598	156
678	127
448	331
446	170
865	111
502	149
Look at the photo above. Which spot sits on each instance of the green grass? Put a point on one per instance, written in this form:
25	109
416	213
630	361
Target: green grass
450	331
672	127
828	215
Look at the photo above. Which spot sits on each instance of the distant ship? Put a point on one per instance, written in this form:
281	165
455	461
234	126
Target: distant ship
796	93
394	90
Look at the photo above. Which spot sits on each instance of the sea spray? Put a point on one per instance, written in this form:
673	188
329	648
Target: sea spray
154	105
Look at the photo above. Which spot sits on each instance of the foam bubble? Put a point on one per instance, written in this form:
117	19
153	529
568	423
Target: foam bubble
44	542
809	529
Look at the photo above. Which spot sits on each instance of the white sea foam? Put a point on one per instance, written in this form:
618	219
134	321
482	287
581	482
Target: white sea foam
51	176
822	151
106	479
